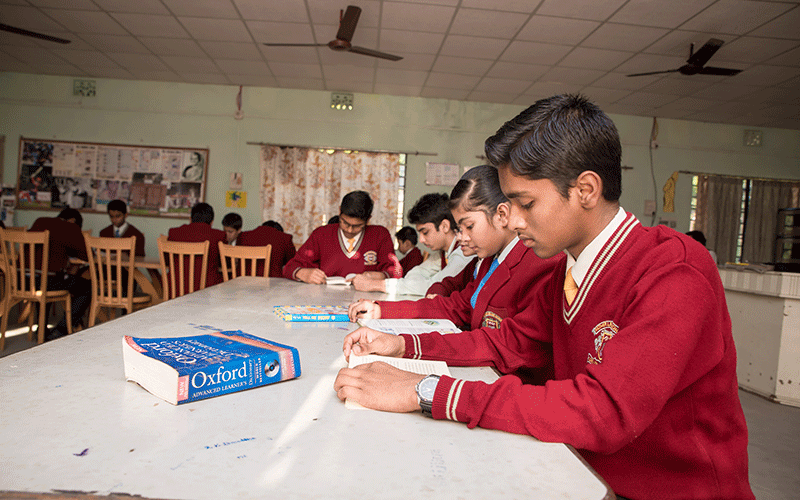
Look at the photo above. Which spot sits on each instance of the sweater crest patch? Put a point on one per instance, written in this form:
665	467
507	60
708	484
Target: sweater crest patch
603	332
491	320
370	258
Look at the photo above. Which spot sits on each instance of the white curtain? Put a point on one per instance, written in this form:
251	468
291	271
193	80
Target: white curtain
718	214
301	188
766	198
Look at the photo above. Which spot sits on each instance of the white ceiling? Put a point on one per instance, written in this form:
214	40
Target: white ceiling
503	51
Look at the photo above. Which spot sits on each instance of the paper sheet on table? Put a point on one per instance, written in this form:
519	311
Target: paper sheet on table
397	326
420	366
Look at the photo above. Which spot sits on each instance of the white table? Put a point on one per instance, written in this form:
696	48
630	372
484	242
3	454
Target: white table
70	422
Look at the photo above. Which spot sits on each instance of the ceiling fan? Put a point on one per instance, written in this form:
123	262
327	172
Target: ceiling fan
696	63
20	31
347	25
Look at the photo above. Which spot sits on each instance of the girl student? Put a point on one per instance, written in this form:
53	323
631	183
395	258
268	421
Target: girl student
509	276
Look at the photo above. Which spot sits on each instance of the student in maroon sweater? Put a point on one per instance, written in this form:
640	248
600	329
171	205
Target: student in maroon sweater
645	365
349	247
66	240
200	230
407	247
282	247
120	227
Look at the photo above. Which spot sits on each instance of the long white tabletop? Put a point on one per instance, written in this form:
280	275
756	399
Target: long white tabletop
70	422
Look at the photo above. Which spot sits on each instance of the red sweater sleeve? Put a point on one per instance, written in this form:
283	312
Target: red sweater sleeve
308	255
609	405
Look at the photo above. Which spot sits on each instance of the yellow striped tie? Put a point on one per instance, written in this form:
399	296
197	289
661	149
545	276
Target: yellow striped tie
350	244
570	287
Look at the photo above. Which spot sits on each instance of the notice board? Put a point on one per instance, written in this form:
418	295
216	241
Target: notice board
152	180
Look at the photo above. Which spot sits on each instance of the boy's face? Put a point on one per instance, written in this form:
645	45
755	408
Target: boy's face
351	226
544	220
117	217
404	246
431	236
231	233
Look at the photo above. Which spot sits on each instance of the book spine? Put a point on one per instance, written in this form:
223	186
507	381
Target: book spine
317	317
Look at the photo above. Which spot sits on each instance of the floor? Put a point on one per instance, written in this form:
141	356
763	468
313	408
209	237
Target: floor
774	437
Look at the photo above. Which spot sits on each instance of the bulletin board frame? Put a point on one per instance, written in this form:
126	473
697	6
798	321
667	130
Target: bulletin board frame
156	181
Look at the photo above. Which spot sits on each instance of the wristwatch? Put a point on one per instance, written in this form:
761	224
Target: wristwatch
426	388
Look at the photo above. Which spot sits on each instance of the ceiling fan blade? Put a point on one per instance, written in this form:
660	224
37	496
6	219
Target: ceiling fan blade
702	56
20	31
374	53
295	44
347	26
711	70
655	72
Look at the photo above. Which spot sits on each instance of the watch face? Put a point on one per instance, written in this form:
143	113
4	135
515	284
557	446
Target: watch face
427	387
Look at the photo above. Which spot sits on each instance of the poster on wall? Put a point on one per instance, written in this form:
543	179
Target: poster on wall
87	176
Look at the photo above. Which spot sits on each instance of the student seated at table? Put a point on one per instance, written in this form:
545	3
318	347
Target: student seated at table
349	247
451	284
645	364
282	247
120	227
437	230
232	225
66	240
200	230
508	278
407	252
273	224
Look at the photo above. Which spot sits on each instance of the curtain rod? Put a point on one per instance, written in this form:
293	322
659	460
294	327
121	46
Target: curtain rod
416	153
769	179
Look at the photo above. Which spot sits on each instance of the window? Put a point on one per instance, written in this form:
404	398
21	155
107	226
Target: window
401	192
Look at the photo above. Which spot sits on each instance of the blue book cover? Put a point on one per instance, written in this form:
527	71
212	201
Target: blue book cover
312	313
185	369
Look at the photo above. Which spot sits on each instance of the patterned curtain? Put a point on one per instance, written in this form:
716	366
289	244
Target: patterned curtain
718	214
766	197
301	188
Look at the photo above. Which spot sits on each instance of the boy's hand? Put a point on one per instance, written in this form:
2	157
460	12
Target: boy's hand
364	309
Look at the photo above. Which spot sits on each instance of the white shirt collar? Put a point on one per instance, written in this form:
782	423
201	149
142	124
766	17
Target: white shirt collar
355	241
507	250
121	229
581	266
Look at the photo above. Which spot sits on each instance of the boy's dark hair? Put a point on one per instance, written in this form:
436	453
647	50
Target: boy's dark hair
233	220
333	220
357	204
407	233
478	190
698	235
431	207
558	138
203	212
118	205
71	213
273	224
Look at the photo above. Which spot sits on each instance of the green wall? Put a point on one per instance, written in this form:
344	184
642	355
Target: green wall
184	115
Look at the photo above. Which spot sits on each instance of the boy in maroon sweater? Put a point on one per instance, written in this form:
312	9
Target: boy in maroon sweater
349	247
645	366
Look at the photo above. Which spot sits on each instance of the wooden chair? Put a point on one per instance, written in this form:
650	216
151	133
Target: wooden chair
244	261
109	260
20	251
178	266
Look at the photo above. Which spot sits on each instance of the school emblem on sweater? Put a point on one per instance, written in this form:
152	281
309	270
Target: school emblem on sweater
603	332
370	258
491	320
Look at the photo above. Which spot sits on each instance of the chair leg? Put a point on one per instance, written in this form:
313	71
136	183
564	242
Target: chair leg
4	326
93	310
68	313
30	320
42	321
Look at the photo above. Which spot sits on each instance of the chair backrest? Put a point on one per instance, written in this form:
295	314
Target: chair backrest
24	255
244	261
110	259
16	228
179	266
